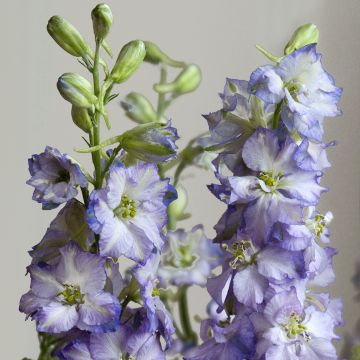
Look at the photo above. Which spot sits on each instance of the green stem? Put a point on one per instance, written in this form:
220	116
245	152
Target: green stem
188	332
96	156
47	343
277	114
111	160
85	194
162	103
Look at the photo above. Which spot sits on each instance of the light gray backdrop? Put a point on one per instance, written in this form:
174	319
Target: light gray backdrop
220	37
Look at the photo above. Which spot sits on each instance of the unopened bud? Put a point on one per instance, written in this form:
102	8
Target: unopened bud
304	35
102	19
151	142
187	81
77	90
130	58
138	108
81	118
67	37
155	55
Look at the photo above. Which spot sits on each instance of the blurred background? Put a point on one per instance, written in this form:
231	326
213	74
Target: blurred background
217	35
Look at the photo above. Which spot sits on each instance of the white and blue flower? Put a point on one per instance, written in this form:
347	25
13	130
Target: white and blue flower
71	294
55	177
302	89
130	212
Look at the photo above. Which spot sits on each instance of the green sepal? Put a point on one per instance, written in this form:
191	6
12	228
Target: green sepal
130	58
154	55
187	81
138	108
102	19
77	90
303	35
67	37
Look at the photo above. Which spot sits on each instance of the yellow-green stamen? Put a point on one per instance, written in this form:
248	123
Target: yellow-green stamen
72	295
239	251
294	327
270	179
126	208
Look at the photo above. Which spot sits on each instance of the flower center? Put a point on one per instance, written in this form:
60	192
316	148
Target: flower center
186	259
155	292
180	256
318	223
63	176
294	327
72	295
126	208
270	179
242	254
293	87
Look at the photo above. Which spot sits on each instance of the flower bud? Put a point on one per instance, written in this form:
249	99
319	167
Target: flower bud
77	90
130	58
138	108
67	37
81	118
187	81
152	142
155	56
304	35
102	19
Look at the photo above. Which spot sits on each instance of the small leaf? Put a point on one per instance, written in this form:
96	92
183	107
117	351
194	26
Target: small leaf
107	48
87	142
111	97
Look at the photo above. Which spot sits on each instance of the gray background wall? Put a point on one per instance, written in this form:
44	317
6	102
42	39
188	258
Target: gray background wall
217	35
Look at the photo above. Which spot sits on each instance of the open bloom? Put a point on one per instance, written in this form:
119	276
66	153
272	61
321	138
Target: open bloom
241	115
277	189
130	211
304	90
288	331
188	258
249	271
54	176
70	294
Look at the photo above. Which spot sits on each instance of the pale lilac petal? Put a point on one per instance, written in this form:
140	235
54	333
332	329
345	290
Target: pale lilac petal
249	286
57	317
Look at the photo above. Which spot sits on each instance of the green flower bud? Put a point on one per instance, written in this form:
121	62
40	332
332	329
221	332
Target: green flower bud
102	19
304	35
187	81
130	58
81	118
152	142
138	108
155	56
77	90
67	37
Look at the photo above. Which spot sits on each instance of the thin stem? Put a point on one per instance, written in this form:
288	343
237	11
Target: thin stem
162	103
85	194
96	156
276	117
111	160
184	316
